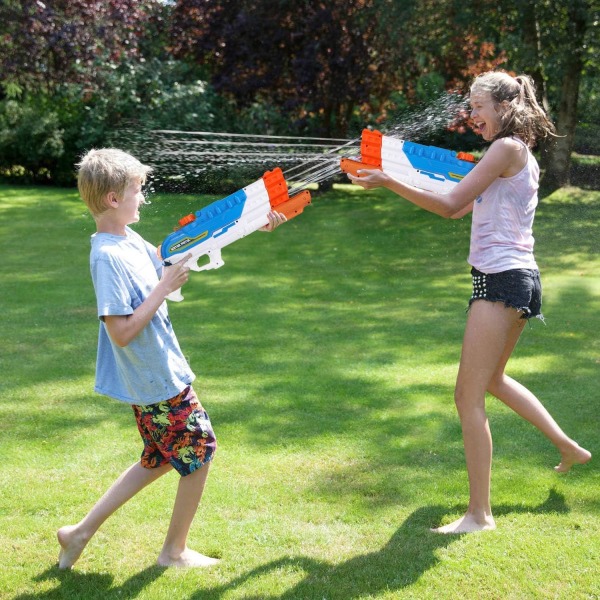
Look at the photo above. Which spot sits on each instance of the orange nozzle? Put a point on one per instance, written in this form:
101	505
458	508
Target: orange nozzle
347	165
370	147
276	186
295	205
466	156
187	219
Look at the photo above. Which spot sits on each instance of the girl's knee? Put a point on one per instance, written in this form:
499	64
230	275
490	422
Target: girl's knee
495	384
468	400
460	400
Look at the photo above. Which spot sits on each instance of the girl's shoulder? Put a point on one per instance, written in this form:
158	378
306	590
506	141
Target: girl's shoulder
511	153
510	144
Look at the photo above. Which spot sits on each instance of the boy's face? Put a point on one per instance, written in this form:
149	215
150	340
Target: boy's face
129	205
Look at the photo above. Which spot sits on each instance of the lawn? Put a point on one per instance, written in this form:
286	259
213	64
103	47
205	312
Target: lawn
326	354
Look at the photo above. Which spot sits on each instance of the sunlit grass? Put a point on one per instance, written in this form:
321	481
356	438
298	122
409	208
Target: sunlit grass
326	354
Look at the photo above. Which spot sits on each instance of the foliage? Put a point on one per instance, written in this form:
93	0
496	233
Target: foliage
31	137
317	61
141	95
67	41
76	74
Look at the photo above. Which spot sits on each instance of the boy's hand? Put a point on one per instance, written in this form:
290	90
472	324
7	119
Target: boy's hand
176	275
275	220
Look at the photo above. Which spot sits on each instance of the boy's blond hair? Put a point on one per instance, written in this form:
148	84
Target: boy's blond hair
107	170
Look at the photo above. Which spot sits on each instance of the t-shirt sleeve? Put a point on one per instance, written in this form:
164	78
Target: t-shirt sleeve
152	253
112	288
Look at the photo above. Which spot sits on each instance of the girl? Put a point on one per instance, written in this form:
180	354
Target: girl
502	193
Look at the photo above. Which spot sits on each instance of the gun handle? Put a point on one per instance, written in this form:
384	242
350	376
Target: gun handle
347	165
215	261
175	296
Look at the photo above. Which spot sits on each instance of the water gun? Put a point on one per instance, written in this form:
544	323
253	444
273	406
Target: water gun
225	221
426	167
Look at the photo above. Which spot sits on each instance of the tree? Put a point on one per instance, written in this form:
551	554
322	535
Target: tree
46	44
556	42
313	59
578	23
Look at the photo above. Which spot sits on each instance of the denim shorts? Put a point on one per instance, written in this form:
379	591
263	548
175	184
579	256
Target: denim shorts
176	431
517	288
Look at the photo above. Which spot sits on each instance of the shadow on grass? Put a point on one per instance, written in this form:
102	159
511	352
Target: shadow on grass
409	553
75	585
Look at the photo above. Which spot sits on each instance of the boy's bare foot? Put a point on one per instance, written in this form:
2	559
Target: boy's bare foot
188	558
71	546
467	524
573	456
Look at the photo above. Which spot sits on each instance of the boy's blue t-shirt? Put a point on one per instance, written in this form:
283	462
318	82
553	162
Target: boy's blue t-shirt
151	368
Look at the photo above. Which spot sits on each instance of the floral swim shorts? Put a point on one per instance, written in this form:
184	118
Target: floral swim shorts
176	431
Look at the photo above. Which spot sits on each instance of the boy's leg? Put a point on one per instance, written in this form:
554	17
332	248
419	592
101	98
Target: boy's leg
74	538
175	552
525	404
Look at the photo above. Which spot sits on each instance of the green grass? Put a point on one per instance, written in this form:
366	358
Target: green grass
325	354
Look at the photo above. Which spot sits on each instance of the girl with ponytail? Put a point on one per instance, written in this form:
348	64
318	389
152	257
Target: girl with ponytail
502	193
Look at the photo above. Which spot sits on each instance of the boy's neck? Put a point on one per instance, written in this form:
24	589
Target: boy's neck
109	226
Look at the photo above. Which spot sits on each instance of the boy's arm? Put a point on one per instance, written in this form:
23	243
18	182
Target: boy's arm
124	328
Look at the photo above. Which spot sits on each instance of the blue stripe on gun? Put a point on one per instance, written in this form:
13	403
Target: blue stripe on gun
436	163
211	221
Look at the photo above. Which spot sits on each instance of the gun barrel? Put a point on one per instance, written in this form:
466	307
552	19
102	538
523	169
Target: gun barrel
229	219
348	165
295	205
427	167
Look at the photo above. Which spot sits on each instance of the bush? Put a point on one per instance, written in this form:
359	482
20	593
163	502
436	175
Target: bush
31	139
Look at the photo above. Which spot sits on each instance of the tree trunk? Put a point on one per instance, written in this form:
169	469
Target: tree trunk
532	50
559	159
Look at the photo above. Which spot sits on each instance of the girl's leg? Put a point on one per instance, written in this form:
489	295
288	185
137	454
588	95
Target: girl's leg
525	404
74	538
175	552
487	335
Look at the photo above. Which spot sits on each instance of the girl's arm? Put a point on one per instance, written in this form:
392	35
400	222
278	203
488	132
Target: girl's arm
504	158
465	211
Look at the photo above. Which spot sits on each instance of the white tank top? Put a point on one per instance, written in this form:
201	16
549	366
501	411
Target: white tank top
501	229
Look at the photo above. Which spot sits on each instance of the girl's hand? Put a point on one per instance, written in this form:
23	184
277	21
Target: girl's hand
370	178
275	220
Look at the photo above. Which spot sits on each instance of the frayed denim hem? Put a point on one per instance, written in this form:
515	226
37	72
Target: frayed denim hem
523	309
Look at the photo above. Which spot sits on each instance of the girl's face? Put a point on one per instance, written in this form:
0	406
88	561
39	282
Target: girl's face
484	114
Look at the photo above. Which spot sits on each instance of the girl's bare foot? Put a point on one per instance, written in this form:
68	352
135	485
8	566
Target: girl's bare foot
467	524
573	456
188	558
72	544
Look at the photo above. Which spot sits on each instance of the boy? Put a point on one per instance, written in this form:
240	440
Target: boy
139	359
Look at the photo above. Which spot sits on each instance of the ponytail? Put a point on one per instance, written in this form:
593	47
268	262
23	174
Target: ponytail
523	117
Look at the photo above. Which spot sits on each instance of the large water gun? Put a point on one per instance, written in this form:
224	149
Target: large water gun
225	221
426	167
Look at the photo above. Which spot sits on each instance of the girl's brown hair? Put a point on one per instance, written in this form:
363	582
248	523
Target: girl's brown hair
522	115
